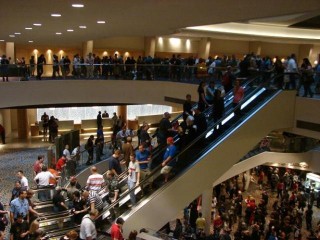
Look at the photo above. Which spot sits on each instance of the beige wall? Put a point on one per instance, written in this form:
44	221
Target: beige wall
126	43
2	48
278	49
228	47
177	45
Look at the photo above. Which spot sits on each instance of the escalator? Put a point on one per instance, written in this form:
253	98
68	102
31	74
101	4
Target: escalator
262	111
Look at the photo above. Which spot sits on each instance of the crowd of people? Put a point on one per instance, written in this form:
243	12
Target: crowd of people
87	203
174	68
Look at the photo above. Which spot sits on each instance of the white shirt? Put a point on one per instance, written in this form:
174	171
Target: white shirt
134	169
95	182
292	65
87	228
66	152
24	182
43	178
75	151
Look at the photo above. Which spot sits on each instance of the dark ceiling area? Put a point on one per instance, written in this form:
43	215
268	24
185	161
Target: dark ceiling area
311	23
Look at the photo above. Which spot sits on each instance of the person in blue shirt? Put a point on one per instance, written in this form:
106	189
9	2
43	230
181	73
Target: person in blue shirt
168	161
20	206
143	157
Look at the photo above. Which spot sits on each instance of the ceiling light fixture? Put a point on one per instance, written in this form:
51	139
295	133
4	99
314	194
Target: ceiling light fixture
58	33
77	5
55	15
82	26
28	28
17	33
30	41
70	30
1	40
37	24
12	36
101	22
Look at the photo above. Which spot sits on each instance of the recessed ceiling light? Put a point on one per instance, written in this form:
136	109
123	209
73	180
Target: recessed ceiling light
28	28
30	41
17	33
55	15
101	22
70	30
37	24
58	33
77	5
1	40
11	35
82	26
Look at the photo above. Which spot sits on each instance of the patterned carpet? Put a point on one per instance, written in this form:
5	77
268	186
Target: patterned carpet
11	161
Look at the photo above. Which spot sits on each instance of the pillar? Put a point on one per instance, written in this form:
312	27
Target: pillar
10	51
122	111
206	208
149	46
87	47
23	125
305	51
5	120
204	48
255	47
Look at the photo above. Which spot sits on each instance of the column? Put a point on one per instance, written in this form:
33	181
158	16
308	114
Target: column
87	47
206	208
23	125
149	46
305	51
122	111
10	51
204	48
5	120
255	47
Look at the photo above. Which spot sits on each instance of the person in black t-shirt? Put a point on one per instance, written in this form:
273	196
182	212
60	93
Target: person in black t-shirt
187	107
59	201
19	229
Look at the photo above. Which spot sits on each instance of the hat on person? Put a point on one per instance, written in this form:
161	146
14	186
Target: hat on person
170	140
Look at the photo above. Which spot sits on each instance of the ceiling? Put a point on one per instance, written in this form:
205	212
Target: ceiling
131	18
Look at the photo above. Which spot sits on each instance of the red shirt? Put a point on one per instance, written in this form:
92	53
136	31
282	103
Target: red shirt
116	232
61	162
37	167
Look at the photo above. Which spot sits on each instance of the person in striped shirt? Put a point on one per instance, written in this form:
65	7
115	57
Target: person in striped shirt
95	181
93	200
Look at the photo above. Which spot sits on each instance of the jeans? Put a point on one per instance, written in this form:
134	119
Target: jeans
131	185
44	195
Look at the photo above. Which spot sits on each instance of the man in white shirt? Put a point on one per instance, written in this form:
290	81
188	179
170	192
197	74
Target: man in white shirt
292	68
66	152
23	180
42	180
76	153
133	177
87	228
95	181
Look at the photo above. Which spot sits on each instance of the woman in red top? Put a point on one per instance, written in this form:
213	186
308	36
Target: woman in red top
238	94
116	229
